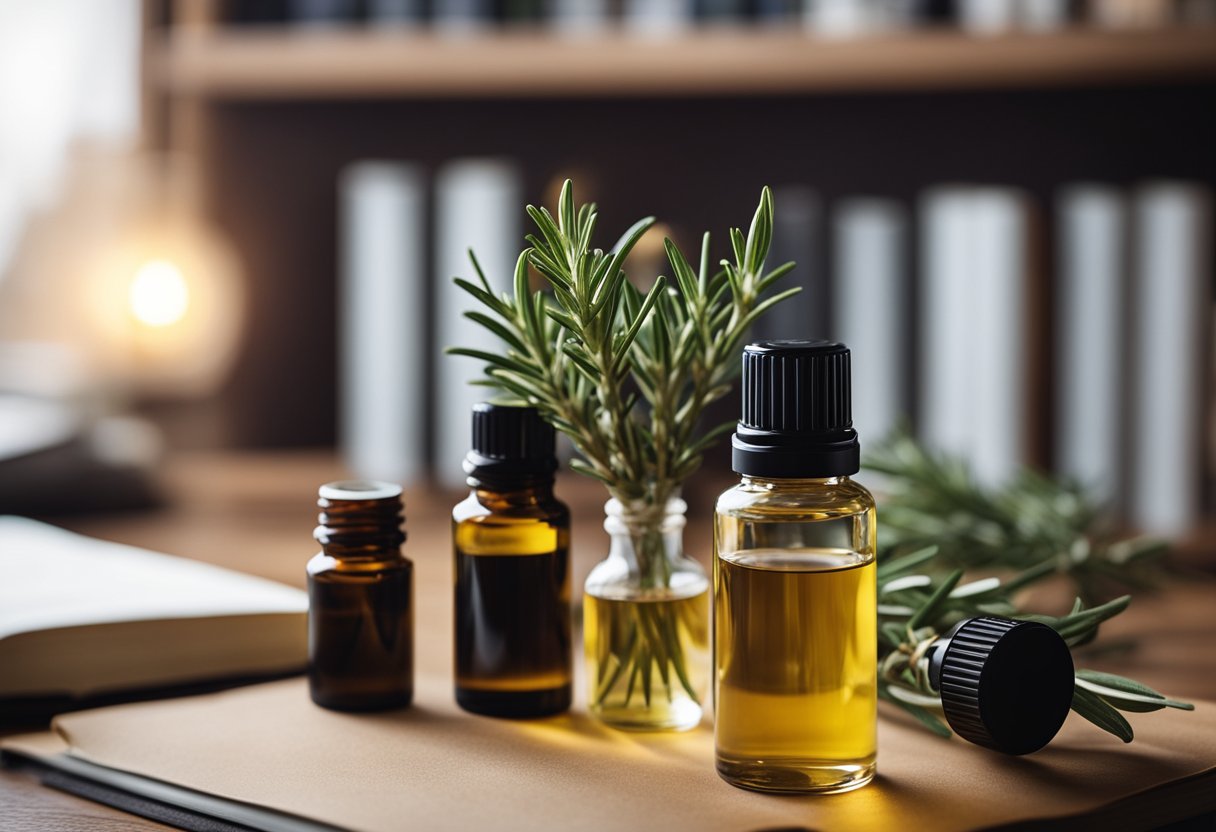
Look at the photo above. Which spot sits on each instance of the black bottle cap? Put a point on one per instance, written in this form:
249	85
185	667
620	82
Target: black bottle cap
797	418
1005	685
510	442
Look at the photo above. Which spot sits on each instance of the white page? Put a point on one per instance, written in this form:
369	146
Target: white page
54	578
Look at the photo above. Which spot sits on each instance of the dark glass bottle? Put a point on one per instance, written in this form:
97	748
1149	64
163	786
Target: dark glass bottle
360	600
511	539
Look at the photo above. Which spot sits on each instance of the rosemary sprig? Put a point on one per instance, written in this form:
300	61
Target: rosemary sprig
1032	521
626	374
1031	529
588	352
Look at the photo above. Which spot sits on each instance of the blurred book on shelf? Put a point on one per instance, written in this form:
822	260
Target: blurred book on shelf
661	18
870	309
1171	330
383	330
973	327
1091	338
85	620
477	209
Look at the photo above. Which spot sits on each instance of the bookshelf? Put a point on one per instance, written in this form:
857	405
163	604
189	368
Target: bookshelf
265	63
686	126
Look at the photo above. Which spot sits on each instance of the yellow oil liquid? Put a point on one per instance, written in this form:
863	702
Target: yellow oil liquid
796	660
647	660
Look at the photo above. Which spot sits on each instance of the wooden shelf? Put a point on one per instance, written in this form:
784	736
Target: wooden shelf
274	64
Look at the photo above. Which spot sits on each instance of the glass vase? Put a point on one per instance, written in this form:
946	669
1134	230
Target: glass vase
646	622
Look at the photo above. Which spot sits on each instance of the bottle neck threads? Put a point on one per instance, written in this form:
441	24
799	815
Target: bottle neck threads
360	519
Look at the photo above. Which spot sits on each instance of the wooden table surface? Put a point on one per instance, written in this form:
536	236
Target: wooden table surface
255	513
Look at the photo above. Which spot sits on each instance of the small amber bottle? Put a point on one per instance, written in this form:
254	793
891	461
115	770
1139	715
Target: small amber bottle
511	538
360	600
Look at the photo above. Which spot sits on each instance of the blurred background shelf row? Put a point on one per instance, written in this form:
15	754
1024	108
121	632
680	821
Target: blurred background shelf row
237	169
251	65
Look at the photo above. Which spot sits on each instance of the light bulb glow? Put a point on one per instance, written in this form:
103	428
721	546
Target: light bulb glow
158	295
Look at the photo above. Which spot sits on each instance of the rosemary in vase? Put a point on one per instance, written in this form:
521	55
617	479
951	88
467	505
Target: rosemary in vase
626	374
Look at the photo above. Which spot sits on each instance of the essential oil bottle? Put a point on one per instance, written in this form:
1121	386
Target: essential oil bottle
511	538
795	614
360	600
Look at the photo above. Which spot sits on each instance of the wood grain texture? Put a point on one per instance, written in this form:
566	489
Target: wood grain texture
272	63
26	806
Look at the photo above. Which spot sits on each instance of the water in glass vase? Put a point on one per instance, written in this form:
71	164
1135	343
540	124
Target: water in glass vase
796	692
647	658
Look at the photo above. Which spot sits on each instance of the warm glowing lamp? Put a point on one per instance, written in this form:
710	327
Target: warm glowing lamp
167	299
158	294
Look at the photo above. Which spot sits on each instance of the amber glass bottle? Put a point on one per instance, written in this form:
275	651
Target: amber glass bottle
511	538
360	600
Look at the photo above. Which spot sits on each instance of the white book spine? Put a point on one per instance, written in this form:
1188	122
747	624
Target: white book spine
840	18
462	17
657	18
1172	308
478	203
870	309
1092	274
1042	15
578	17
987	17
382	333
998	381
394	12
946	333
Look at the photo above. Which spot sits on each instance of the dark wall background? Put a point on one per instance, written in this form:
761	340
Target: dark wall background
697	164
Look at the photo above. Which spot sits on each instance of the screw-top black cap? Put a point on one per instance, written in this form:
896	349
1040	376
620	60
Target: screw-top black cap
510	442
1006	685
797	418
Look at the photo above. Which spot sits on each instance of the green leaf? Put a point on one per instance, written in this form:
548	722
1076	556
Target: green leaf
1126	694
614	272
485	297
622	349
922	716
937	600
1092	708
890	568
497	328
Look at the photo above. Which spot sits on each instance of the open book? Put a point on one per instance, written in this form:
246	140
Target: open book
82	619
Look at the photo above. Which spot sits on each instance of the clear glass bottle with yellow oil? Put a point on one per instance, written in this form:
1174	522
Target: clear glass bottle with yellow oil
511	537
646	622
795	619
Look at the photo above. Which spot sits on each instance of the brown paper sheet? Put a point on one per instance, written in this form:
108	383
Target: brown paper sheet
435	767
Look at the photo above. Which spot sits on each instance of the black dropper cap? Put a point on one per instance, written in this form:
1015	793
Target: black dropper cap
510	444
1005	685
797	418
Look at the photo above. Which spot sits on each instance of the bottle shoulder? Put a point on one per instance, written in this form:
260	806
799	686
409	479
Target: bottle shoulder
322	563
830	498
476	509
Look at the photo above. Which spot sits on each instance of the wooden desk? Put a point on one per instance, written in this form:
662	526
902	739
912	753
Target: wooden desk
255	513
